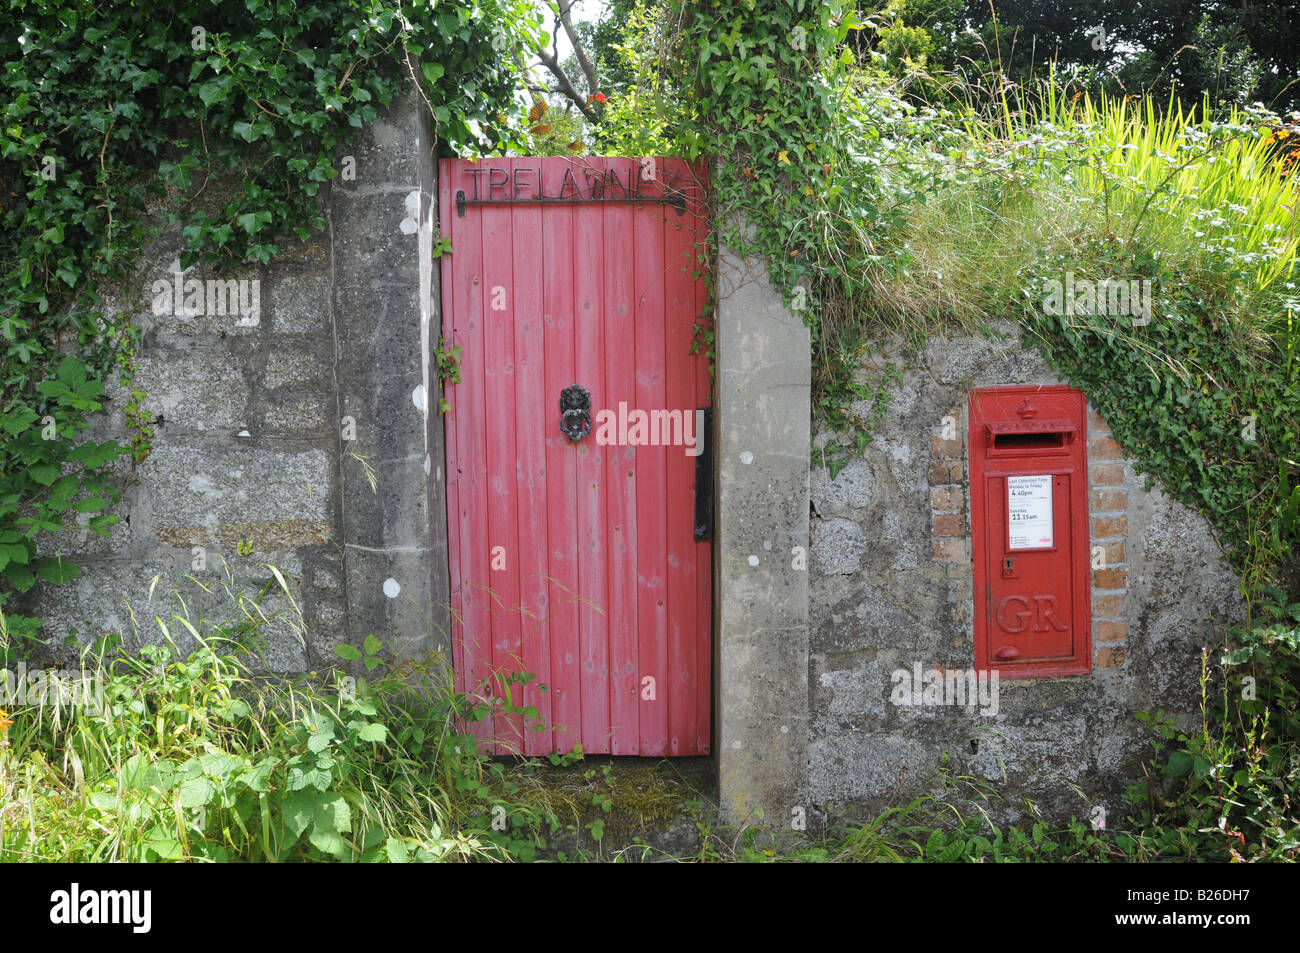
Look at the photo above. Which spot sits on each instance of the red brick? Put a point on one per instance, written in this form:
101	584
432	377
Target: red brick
1108	607
945	471
947	499
1113	554
1109	500
1111	657
950	524
1106	474
1112	631
945	449
948	550
1097	424
1104	448
1106	526
1110	578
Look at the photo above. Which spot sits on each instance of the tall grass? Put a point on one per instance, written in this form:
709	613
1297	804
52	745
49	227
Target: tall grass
203	756
1065	172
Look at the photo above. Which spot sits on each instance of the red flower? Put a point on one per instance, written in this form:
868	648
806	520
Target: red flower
600	97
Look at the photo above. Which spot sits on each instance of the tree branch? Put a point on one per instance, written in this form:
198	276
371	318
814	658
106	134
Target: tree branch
584	61
569	91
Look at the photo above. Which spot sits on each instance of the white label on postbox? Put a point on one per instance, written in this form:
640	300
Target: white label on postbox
1029	505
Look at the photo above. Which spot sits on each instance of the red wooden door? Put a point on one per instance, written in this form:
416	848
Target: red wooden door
577	560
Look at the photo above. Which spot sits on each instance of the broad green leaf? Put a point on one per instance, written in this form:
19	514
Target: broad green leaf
64	489
397	851
58	571
197	792
44	473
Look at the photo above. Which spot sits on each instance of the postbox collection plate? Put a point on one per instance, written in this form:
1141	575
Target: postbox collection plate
1029	531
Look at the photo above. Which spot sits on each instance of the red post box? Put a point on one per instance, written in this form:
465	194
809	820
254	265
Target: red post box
1029	531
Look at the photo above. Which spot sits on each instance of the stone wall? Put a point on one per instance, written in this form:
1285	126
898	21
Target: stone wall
891	587
271	426
271	419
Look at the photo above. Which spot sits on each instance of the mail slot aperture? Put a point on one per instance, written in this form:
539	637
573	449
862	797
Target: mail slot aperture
1029	531
1016	436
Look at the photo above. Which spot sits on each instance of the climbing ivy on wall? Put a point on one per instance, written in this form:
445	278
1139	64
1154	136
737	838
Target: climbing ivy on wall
845	186
104	107
816	167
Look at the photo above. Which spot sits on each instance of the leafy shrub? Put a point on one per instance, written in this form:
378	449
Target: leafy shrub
205	757
1227	792
109	105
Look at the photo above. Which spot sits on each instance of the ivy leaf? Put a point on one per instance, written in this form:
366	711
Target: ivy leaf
213	91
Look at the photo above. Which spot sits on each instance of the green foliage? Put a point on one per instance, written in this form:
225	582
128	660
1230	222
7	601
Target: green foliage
1225	792
1230	52
448	361
646	104
812	157
879	218
928	828
107	107
49	474
202	756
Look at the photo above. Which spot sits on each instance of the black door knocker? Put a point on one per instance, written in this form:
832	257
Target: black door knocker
575	412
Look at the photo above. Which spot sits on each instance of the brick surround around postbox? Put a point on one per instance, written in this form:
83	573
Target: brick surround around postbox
1108	520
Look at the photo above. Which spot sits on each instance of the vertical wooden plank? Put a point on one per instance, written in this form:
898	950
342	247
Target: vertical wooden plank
620	463
593	554
531	437
652	489
502	471
472	497
558	264
697	210
448	174
680	395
